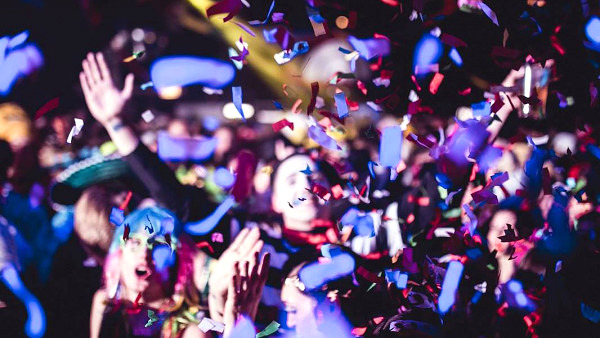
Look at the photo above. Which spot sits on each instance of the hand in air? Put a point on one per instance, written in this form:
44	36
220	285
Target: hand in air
245	289
102	97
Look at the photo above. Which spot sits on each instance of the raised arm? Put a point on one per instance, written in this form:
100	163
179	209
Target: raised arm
106	102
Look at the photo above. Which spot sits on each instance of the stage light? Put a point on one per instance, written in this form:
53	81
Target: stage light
170	93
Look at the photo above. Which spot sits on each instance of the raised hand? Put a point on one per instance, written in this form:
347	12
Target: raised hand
103	99
244	247
245	290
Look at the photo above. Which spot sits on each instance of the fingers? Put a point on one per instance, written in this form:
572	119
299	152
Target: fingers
238	240
104	73
88	74
237	277
249	243
93	68
263	270
128	88
84	85
245	277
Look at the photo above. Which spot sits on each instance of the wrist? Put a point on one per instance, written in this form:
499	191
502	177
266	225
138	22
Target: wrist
113	122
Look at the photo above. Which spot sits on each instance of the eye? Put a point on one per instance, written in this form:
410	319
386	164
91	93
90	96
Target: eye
290	309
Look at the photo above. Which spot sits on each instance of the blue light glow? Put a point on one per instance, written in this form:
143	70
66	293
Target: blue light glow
592	29
16	60
182	71
427	52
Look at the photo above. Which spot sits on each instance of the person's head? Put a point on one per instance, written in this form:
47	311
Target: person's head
311	313
147	256
92	225
15	126
293	187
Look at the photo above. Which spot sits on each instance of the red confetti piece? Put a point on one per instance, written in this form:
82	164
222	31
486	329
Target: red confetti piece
452	40
414	80
331	116
368	275
320	191
360	331
377	320
498	103
126	232
464	92
297	104
277	126
205	244
337	191
313	99
126	201
435	83
50	105
284	88
229	7
245	172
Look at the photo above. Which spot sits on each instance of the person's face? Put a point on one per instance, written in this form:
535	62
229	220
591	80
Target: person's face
290	186
137	268
497	227
300	310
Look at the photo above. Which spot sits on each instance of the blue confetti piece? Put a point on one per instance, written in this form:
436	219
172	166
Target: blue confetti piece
390	148
269	35
450	286
481	109
397	277
340	103
117	216
209	223
592	30
277	105
594	150
257	22
236	93
316	274
344	50
182	71
427	52
455	57
370	166
590	313
17	40
329	251
370	48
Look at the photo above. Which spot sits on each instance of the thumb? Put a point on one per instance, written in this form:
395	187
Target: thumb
128	88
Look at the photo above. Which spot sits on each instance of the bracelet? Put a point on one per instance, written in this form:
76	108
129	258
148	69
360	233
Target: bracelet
117	126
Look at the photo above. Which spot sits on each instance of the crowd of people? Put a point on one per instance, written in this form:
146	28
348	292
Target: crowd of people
479	222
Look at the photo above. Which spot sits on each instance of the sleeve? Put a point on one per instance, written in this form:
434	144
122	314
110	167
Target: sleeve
187	202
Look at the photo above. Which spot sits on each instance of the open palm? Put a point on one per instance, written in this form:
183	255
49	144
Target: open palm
103	99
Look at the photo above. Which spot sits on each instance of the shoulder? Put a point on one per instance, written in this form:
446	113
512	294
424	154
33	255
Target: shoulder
100	299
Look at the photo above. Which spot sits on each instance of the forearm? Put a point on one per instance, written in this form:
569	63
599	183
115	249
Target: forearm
122	136
216	306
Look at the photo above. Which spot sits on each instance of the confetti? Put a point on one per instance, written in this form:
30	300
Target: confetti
390	147
117	216
258	22
75	130
269	330
48	106
229	7
243	54
435	83
206	225
152	318
340	103
134	56
146	85
236	93
245	28
370	48
277	126
314	275
324	140
314	87
450	286
208	324
147	116
396	277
